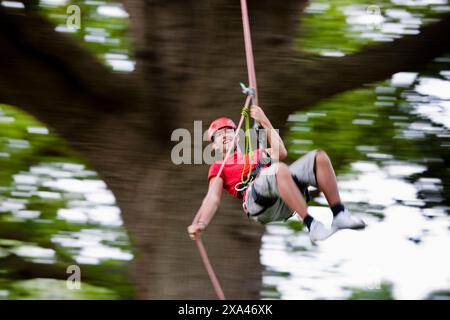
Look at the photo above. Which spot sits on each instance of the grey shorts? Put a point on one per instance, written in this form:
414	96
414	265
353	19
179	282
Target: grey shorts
265	184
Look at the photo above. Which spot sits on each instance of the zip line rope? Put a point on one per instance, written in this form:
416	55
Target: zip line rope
252	97
249	51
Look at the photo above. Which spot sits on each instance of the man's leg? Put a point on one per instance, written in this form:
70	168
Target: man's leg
327	183
290	194
315	168
326	178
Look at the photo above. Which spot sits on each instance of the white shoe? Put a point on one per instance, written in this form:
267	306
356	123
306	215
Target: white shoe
345	220
319	232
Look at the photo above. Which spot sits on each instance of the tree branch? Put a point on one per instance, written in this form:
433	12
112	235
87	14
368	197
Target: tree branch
33	34
51	76
378	62
329	76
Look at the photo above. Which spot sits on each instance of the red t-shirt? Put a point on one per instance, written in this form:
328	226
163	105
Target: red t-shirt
232	171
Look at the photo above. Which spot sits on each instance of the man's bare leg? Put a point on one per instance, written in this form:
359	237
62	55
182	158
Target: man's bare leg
291	195
326	178
289	192
326	181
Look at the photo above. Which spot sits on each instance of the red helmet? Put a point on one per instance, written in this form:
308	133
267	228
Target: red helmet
220	123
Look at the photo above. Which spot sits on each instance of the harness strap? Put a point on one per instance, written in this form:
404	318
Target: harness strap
259	166
248	147
263	201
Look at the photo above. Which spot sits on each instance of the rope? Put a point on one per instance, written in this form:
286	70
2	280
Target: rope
252	96
249	51
212	276
252	91
209	269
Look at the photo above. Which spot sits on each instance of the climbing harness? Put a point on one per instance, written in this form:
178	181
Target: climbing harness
241	186
248	152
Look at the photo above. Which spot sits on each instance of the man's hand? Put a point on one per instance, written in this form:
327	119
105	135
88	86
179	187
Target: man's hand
258	114
195	229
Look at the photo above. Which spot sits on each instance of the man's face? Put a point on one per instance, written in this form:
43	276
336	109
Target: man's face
223	138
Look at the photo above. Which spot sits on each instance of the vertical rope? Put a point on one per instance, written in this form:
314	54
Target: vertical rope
249	50
209	269
250	99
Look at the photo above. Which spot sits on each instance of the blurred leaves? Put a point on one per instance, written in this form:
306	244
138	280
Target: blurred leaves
382	292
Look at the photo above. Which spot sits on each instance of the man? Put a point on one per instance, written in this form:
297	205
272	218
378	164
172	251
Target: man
277	191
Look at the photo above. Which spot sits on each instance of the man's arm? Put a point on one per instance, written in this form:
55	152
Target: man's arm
277	149
209	206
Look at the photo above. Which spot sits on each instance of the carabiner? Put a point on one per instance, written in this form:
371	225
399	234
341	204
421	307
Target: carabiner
247	90
242	188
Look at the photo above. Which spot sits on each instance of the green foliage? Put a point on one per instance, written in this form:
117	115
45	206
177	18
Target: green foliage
27	143
24	143
101	34
348	125
19	147
295	225
439	295
326	25
48	289
383	292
